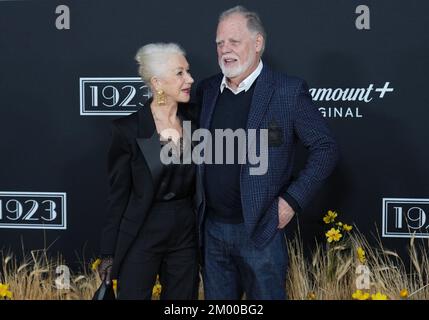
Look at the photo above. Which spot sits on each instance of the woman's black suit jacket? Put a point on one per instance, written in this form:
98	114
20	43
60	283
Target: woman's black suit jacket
134	169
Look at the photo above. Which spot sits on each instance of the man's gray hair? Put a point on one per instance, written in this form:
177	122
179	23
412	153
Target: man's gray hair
254	23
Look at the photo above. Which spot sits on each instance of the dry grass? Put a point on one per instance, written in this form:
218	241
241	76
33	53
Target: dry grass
330	273
334	270
35	278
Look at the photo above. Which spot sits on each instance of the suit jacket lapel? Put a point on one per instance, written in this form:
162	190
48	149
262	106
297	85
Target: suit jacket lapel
209	101
148	142
264	88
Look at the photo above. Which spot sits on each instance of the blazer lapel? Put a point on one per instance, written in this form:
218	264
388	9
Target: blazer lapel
264	89
209	101
148	142
210	97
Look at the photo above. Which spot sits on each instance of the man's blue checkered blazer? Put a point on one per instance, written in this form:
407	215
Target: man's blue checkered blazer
281	104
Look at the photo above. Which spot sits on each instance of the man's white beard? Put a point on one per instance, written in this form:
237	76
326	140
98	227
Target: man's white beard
232	72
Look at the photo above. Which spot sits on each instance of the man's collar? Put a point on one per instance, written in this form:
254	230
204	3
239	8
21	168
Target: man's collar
246	83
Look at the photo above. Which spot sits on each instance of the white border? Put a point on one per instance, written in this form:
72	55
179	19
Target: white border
82	81
62	195
385	233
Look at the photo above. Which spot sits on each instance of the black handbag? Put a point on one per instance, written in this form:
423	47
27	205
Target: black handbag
104	292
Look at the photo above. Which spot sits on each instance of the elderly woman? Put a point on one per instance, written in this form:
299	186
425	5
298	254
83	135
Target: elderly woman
151	225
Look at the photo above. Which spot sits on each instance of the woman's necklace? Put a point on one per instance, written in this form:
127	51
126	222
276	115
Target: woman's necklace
169	133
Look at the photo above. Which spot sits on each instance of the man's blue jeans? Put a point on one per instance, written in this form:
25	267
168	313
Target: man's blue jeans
233	264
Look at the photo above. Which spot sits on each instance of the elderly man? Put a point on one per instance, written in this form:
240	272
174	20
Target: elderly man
242	216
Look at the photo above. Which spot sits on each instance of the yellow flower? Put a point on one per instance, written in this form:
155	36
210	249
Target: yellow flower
4	291
347	228
156	291
404	293
115	284
340	224
311	296
359	295
361	255
95	264
333	235
330	217
378	296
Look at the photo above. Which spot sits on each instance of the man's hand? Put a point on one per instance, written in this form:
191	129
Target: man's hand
105	269
286	213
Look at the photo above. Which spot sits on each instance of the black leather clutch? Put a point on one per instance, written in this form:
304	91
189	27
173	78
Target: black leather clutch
104	292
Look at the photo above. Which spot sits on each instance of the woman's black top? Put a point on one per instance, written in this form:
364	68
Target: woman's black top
177	179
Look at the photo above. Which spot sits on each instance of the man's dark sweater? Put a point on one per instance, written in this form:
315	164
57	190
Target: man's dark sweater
222	181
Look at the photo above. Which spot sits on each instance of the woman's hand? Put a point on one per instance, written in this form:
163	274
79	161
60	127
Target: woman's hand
105	269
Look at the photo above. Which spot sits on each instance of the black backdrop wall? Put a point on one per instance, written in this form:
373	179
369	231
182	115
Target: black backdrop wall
60	88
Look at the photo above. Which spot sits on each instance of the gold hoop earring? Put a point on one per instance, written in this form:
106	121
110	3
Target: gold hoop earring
160	97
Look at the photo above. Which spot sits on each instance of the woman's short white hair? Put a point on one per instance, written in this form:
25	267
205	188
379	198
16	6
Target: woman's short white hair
152	59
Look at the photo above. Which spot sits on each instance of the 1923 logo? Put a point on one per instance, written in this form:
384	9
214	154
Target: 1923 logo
405	218
33	210
112	96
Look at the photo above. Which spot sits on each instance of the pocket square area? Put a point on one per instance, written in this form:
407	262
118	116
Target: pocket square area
275	136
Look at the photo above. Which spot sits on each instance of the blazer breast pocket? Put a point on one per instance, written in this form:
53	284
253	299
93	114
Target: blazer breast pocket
275	134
